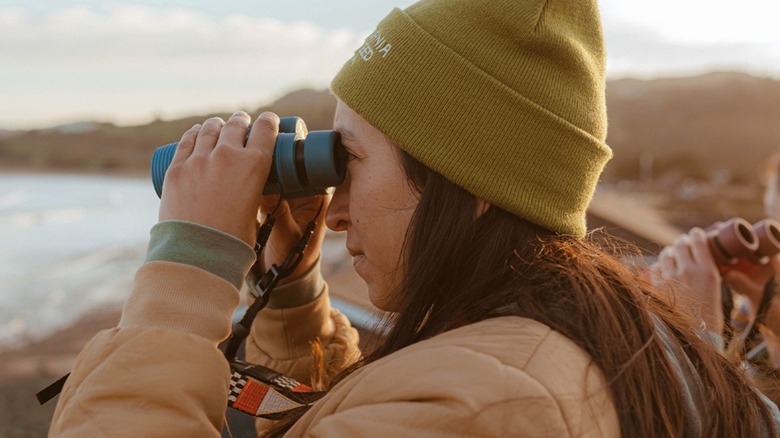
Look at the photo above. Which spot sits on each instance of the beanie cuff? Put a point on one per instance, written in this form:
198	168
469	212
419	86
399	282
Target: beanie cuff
408	85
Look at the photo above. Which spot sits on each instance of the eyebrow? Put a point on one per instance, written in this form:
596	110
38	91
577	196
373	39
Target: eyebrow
347	136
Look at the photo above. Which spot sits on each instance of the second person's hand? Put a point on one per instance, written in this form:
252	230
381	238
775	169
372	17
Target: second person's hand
687	272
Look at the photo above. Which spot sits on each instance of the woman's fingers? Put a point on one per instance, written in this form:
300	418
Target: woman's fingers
262	138
186	144
682	253
207	136
700	248
667	263
233	133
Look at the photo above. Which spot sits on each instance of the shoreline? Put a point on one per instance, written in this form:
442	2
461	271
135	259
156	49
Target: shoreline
53	355
27	369
116	173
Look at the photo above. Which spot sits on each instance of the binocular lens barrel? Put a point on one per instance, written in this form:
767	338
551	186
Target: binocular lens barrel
161	159
768	233
737	239
304	163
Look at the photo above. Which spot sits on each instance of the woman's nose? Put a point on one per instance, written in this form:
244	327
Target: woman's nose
337	217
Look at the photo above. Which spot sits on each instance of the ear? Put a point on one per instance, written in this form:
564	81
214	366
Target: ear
482	207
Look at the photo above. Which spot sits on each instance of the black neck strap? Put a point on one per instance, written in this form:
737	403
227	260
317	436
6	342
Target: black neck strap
259	288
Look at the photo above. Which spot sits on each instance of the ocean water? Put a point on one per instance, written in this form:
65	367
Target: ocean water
69	244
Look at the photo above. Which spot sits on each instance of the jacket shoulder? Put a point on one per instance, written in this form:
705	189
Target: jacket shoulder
499	377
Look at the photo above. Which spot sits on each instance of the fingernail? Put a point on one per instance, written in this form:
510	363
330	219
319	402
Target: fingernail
240	113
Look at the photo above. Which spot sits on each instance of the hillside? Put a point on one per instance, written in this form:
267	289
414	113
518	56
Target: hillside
693	149
103	147
718	126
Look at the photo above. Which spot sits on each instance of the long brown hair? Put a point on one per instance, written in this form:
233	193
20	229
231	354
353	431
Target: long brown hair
458	270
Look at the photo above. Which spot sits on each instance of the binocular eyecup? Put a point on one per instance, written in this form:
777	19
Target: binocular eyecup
736	239
304	163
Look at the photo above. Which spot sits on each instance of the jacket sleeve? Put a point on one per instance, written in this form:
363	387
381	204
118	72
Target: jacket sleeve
159	373
160	370
283	338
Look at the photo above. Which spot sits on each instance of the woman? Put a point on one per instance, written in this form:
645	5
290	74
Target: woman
476	137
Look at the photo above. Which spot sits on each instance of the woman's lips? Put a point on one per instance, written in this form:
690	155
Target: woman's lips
357	260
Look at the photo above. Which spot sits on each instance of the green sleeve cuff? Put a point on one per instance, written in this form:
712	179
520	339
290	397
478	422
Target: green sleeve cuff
203	247
302	291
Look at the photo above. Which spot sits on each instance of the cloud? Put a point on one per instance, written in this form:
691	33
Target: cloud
667	37
127	62
641	51
128	34
167	59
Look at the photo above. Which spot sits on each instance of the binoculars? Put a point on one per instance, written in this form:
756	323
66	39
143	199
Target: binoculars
736	243
304	163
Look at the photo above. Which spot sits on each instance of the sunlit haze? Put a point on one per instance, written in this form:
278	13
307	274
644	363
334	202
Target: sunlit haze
130	62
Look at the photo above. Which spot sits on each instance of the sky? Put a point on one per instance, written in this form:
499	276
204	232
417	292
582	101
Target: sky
128	62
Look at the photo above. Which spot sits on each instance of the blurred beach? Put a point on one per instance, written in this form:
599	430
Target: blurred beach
69	244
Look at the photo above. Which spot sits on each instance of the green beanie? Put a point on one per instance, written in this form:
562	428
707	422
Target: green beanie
504	98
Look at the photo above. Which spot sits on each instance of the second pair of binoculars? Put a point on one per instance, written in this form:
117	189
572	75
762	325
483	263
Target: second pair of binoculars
736	240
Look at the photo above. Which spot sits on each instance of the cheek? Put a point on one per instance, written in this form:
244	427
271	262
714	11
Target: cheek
382	217
397	223
372	198
381	206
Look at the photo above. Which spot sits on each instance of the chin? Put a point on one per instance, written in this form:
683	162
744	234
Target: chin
381	300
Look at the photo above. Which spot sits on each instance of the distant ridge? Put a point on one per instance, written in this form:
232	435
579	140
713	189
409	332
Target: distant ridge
104	147
725	124
718	125
5	133
316	107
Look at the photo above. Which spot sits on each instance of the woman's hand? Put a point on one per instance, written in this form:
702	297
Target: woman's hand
687	272
752	287
292	217
215	180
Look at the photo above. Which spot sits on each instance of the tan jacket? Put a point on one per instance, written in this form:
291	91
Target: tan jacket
159	373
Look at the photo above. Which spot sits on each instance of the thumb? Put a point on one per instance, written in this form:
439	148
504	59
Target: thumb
744	285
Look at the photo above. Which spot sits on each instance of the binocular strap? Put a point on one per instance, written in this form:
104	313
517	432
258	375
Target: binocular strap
255	389
265	393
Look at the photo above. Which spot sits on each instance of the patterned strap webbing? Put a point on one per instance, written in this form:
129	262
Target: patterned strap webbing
263	392
255	389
